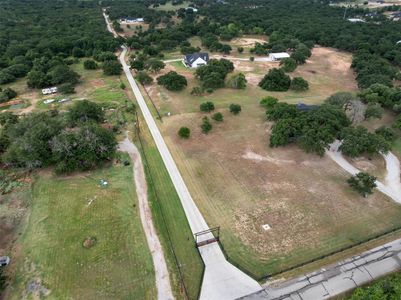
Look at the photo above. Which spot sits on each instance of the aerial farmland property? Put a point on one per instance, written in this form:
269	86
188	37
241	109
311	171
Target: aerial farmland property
158	149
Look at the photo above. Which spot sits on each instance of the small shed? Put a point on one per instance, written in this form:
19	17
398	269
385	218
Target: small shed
278	56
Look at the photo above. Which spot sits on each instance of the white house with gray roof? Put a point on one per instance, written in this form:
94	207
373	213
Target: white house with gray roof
196	59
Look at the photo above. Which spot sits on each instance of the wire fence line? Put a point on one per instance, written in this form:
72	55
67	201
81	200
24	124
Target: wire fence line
302	264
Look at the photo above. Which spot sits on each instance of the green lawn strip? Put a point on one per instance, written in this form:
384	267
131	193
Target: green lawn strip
351	233
169	6
170	221
68	210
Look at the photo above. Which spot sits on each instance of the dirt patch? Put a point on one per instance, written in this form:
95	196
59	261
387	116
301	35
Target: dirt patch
37	289
89	242
247	42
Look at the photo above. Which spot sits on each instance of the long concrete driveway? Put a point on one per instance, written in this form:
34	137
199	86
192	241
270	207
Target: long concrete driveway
221	279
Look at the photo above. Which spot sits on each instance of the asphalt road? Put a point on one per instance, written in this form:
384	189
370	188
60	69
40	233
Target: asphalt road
221	279
338	278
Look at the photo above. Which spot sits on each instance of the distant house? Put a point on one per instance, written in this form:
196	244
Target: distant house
196	59
278	56
49	91
356	20
396	16
130	20
306	107
195	10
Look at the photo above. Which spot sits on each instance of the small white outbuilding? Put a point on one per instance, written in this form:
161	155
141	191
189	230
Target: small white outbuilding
278	56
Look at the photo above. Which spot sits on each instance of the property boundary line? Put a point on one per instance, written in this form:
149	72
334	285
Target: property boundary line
320	257
151	100
171	246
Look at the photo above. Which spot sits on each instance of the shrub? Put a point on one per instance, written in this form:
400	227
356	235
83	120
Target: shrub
172	81
143	78
206	126
7	94
237	81
299	84
213	74
340	99
252	58
6	77
184	132
83	111
387	133
240	49
235	108
112	67
154	65
358	140
197	91
90	65
288	64
82	149
66	88
207	106
374	110
122	86
275	80
268	101
218	117
363	183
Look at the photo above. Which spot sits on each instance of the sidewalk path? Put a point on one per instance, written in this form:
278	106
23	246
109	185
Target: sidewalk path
338	278
221	279
161	273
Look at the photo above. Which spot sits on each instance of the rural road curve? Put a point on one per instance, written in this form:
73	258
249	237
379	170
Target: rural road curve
109	26
221	279
337	278
392	188
161	273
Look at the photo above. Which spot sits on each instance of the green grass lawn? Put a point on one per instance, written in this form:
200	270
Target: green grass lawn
68	210
169	6
170	220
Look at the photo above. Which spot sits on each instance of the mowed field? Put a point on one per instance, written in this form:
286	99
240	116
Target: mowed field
67	211
240	183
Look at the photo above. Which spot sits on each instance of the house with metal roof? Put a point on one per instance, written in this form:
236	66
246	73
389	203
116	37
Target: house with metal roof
278	56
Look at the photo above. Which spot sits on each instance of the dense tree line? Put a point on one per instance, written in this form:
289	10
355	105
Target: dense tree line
294	26
71	141
38	37
318	23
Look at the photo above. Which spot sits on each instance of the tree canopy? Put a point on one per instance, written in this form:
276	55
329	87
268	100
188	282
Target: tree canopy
172	81
275	80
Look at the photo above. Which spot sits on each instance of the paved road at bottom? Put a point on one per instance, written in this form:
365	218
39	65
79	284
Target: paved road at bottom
338	278
221	279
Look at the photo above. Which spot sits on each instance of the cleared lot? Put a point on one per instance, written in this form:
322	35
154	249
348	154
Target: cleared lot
241	184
